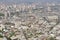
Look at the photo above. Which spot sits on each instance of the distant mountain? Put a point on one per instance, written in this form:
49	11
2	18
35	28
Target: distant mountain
27	1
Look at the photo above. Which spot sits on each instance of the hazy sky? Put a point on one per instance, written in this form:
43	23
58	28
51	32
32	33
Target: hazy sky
27	1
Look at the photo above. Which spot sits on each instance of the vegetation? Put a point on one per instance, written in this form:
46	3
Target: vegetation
1	14
51	38
8	38
8	23
12	33
1	36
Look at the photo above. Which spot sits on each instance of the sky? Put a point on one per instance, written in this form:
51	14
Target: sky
27	1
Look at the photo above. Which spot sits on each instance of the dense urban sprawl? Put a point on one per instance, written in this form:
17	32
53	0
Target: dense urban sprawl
30	21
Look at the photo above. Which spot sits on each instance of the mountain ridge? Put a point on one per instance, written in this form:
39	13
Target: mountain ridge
28	1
